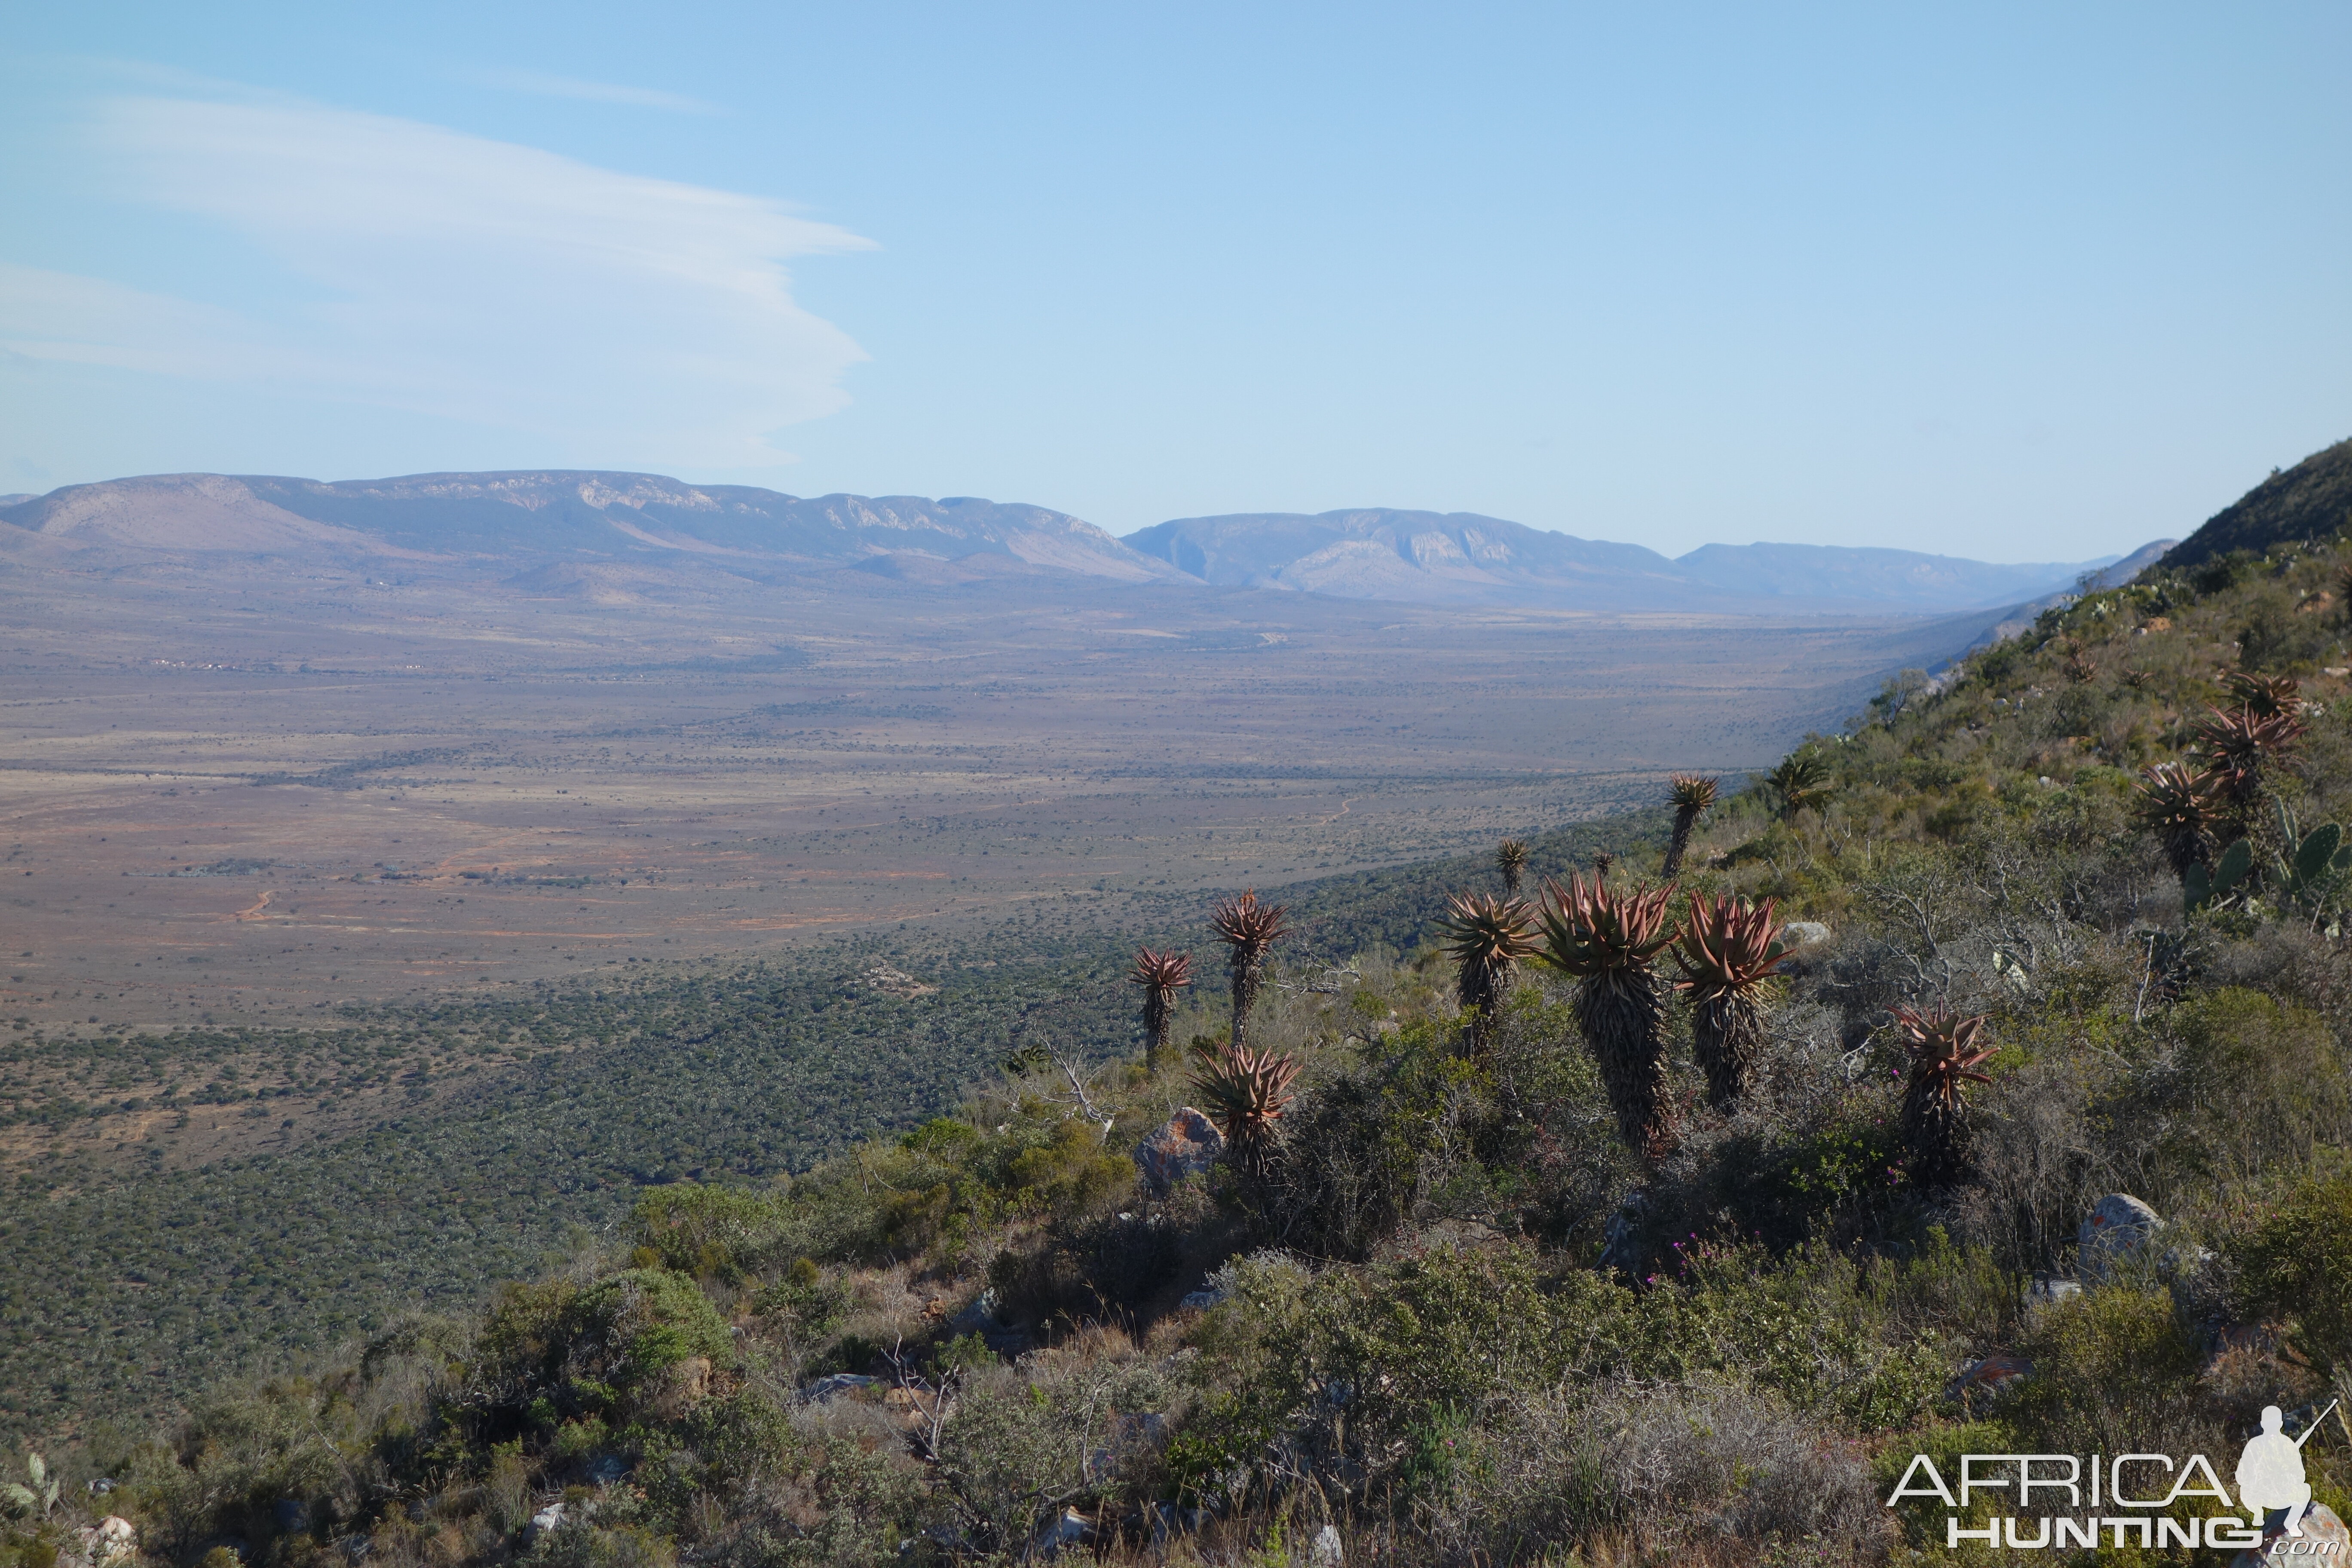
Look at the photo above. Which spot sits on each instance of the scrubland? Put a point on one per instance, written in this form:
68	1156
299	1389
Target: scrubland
1447	1311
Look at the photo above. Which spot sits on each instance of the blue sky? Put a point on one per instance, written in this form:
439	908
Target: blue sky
2016	283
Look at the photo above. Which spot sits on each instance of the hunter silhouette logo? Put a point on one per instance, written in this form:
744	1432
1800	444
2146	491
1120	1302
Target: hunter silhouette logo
2270	1471
2142	1490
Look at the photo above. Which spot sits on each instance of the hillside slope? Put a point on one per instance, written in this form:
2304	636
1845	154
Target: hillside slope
2311	500
1866	575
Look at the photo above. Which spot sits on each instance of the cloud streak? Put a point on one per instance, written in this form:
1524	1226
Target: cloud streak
544	84
465	278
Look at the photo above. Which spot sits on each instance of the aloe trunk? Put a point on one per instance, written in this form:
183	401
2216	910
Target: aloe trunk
1727	1038
1622	1015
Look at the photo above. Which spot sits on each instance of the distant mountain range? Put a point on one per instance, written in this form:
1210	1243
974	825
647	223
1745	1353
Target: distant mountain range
617	537
534	518
1424	556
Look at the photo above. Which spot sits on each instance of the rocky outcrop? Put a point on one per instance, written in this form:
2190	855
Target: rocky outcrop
111	1539
2119	1227
2324	1539
1188	1145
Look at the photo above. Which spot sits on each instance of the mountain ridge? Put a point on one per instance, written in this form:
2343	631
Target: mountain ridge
1379	552
537	513
627	533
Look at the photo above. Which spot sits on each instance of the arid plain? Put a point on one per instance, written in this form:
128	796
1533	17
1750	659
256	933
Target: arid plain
240	792
654	839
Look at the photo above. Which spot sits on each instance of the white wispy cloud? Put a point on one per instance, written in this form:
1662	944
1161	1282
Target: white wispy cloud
546	84
465	277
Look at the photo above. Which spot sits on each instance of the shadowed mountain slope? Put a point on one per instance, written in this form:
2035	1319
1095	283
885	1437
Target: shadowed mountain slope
2310	501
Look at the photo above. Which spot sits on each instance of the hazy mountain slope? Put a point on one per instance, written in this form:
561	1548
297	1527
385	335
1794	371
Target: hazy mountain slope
1889	577
2016	620
541	514
178	511
1379	553
2310	501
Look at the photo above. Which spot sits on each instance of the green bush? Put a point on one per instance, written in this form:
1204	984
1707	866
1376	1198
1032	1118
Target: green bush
2297	1264
2113	1372
1070	1173
2250	1085
562	1348
713	1232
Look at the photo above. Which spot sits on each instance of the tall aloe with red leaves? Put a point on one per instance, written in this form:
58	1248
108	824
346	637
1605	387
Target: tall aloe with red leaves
1947	1050
1245	1092
2265	696
1511	860
1249	931
1161	975
2180	805
1693	796
1608	939
1486	937
2238	743
1727	949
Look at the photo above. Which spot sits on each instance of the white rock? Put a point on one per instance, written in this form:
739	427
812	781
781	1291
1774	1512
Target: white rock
109	1539
834	1387
2044	1292
1327	1552
1189	1144
2117	1226
1070	1530
979	1316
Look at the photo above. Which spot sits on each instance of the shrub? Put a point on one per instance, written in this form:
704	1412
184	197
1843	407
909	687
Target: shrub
721	1233
2246	1084
2113	1372
2298	1264
588	1348
1071	1172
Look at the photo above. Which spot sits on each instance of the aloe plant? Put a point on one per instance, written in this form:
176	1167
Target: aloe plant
1693	796
1727	949
1947	1053
1511	860
1249	931
2264	696
1161	975
2180	805
1486	938
2238	745
1608	941
1245	1092
1801	780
